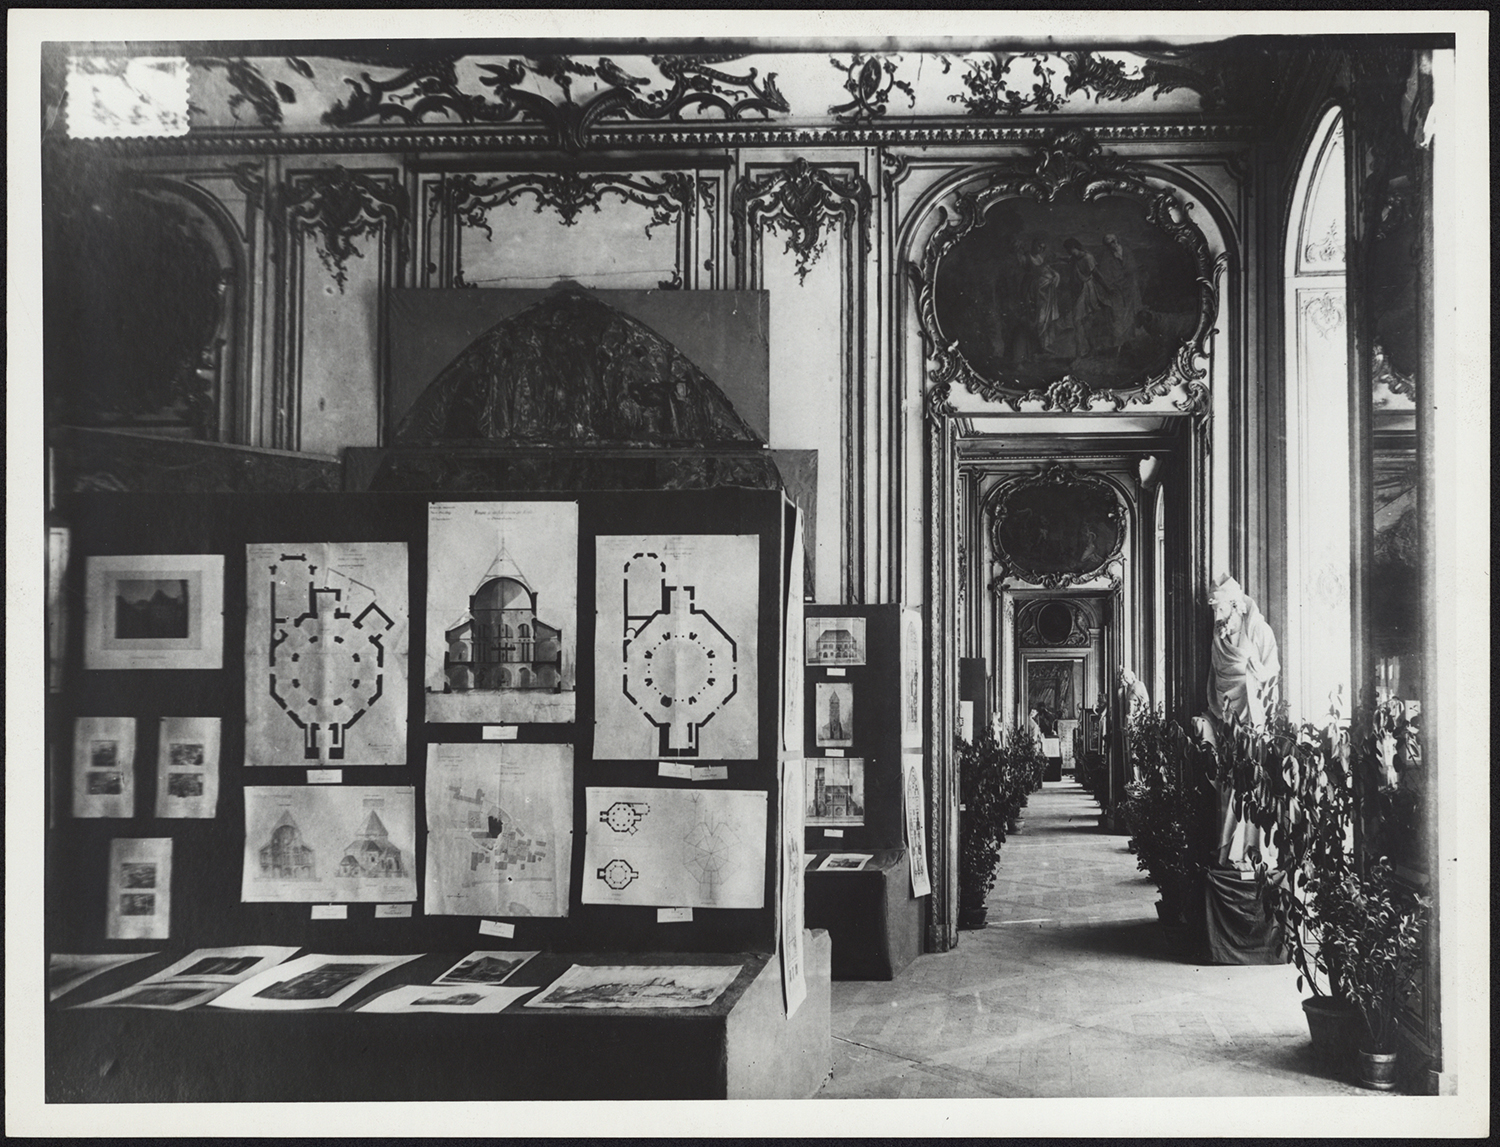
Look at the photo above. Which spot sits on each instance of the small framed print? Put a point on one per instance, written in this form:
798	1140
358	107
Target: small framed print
154	611
835	641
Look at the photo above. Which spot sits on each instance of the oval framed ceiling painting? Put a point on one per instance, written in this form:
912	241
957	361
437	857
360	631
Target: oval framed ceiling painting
1084	290
1059	527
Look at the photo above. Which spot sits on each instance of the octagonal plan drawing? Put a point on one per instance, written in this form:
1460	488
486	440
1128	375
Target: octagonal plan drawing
675	657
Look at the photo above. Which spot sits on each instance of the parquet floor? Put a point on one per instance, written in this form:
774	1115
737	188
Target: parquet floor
1073	989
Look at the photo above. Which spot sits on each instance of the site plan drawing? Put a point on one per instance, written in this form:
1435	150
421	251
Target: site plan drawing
325	653
675	848
317	844
675	662
637	986
499	829
502	612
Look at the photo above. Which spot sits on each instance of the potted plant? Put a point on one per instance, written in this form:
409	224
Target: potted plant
1379	927
981	823
1019	771
1160	813
1294	783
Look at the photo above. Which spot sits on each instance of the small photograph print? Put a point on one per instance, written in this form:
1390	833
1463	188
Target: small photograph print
104	754
220	966
137	875
153	608
457	999
834	706
484	968
105	782
160	997
138	904
183	785
835	792
186	755
835	641
318	984
845	862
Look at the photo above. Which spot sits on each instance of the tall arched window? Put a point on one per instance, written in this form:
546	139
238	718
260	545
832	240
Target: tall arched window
1316	651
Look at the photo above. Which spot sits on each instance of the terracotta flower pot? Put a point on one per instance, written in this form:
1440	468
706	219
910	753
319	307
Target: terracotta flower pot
1377	1070
1334	1026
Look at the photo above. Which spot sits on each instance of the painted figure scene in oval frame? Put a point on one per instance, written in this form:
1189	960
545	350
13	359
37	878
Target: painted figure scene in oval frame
1040	291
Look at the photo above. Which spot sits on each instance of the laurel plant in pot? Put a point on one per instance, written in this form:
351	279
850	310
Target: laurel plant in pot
1018	772
1294	782
1159	811
1379	927
981	823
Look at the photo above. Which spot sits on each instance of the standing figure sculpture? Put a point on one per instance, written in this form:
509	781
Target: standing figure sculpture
1133	689
1243	686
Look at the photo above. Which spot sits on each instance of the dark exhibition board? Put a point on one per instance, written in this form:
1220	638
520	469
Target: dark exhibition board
871	915
743	1044
207	854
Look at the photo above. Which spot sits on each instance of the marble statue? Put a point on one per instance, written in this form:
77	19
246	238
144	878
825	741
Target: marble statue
1137	699
1243	683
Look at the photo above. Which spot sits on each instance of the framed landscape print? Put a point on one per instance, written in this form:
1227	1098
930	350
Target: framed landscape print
154	611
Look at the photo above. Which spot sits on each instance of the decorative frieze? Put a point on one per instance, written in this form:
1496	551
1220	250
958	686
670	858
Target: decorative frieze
802	203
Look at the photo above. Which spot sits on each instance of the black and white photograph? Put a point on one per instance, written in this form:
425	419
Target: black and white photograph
490	492
154	611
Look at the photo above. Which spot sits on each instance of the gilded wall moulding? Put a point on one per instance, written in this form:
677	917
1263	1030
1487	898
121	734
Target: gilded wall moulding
797	201
869	80
339	206
1057	528
1071	282
432	89
471	197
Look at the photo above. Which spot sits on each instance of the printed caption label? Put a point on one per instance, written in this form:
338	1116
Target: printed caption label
837	673
673	915
330	911
324	776
833	752
499	732
392	911
833	832
497	928
710	772
683	772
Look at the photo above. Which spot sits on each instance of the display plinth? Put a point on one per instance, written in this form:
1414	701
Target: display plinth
741	1046
872	917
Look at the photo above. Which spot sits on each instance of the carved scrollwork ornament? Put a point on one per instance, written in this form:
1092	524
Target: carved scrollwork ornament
798	201
470	197
339	206
869	80
1069	168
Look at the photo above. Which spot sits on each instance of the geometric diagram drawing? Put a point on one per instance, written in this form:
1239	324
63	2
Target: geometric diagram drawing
502	611
679	849
499	829
675	646
326	629
314	844
637	986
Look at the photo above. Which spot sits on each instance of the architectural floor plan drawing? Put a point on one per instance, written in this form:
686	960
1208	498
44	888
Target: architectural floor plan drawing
502	611
319	845
675	665
499	829
675	848
325	653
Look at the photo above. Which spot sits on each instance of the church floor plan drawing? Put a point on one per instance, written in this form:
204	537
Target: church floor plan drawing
679	848
674	647
325	649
